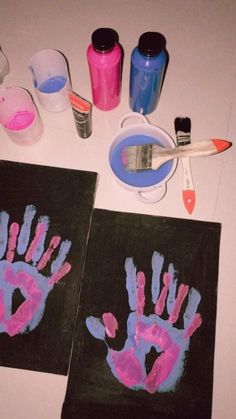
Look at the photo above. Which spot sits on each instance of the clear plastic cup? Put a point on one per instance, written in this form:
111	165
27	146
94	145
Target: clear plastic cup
4	66
51	79
19	116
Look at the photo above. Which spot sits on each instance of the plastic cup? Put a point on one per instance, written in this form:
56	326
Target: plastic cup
51	79
4	66
19	116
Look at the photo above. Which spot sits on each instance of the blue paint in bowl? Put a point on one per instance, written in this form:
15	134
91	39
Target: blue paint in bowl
52	85
143	178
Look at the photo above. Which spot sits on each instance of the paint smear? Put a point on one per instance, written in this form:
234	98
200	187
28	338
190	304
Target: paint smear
25	275
127	367
25	312
153	334
147	332
162	368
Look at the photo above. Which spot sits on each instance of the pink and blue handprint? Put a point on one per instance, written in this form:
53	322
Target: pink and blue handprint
26	273
153	331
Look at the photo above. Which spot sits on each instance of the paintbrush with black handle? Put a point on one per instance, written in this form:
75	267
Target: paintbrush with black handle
183	137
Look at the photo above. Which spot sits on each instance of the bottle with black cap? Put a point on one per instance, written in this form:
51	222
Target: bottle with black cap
104	59
148	63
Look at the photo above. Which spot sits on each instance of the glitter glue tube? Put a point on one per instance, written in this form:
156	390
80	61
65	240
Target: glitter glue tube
82	114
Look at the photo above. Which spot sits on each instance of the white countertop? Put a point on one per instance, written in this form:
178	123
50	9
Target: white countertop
200	83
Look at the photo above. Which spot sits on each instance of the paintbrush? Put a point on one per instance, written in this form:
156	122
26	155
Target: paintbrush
152	156
183	130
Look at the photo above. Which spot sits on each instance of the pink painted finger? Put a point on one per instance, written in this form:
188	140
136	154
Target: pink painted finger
36	247
64	269
182	292
196	323
12	241
160	304
54	243
140	293
110	323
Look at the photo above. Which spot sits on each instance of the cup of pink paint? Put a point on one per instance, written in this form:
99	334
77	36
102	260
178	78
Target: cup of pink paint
51	79
19	116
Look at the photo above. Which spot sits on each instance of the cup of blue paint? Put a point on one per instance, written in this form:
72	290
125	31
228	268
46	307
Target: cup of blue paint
149	186
50	79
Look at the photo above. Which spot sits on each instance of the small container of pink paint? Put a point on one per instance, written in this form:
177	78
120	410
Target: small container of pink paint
19	116
51	79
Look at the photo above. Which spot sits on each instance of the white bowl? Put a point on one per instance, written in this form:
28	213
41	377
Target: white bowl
148	185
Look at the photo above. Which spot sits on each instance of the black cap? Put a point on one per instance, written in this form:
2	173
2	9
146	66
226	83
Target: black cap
104	39
151	43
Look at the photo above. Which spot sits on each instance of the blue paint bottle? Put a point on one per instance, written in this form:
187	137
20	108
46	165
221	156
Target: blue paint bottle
148	63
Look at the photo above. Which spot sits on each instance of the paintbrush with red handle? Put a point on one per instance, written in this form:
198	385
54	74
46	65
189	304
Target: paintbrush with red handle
183	137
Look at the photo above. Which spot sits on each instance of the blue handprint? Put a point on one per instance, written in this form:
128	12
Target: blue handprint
147	332
25	274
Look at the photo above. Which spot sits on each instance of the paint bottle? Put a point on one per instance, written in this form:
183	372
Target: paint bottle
104	59
148	63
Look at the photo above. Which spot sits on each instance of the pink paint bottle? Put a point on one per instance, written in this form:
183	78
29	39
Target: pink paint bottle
104	59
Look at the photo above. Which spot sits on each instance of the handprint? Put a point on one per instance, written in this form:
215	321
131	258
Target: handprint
25	274
147	332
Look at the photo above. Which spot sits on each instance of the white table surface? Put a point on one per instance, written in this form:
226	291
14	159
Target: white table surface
200	83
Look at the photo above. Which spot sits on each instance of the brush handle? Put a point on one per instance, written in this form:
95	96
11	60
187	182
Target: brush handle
199	148
187	175
188	191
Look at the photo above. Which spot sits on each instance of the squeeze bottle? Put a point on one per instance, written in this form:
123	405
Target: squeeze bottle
148	62
104	59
